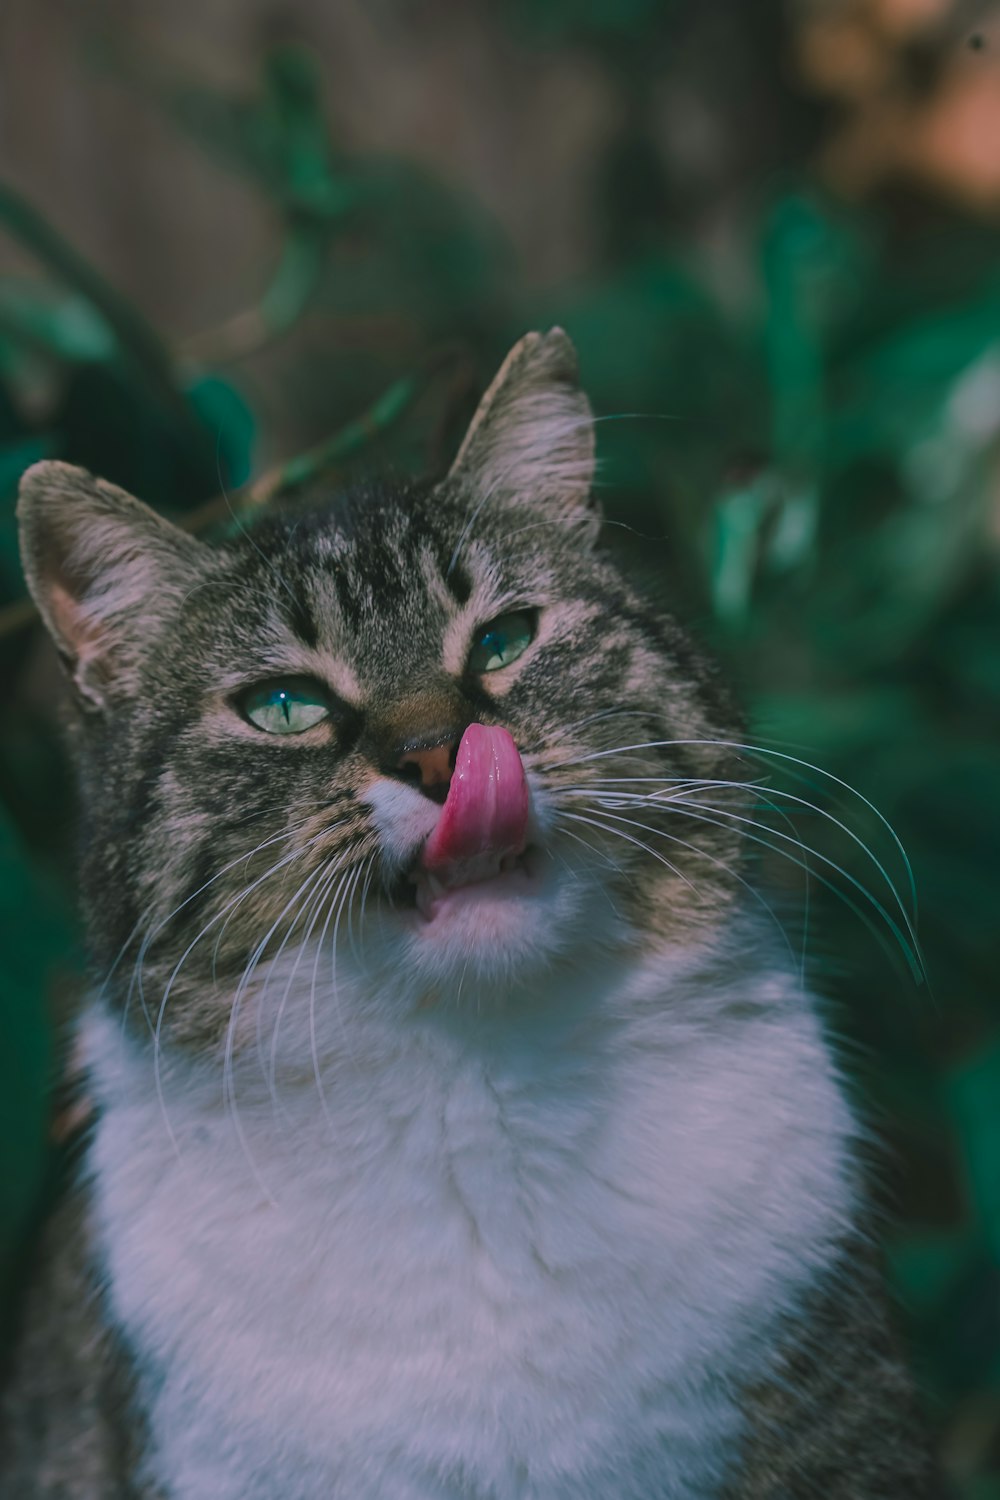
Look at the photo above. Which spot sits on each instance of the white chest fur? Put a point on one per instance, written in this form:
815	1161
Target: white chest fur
505	1260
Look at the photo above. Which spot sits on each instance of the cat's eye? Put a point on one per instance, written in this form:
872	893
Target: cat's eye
502	641
285	706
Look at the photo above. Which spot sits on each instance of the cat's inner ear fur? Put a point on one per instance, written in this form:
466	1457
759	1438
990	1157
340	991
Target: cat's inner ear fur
103	569
532	437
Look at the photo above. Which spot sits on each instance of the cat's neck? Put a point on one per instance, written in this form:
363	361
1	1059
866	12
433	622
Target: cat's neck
305	1055
592	1180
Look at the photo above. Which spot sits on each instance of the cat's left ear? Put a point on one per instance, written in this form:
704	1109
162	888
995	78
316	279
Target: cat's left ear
105	572
531	441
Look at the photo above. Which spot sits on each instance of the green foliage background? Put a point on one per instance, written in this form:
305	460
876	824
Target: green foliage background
812	475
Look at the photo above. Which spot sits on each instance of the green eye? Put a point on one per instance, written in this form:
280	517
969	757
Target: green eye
285	707
502	641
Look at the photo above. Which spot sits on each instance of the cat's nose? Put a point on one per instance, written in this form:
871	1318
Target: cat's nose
429	767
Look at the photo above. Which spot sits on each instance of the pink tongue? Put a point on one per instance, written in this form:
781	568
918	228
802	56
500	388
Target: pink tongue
485	817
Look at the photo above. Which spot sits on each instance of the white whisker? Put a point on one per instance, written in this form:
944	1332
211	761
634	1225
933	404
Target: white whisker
761	751
332	870
230	906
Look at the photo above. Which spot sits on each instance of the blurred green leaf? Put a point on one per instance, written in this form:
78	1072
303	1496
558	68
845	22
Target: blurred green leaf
926	1269
66	327
224	412
974	1092
14	459
32	911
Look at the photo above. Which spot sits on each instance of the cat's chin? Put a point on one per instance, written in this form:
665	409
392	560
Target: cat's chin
514	922
491	921
519	878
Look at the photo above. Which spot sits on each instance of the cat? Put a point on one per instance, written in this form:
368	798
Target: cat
462	1129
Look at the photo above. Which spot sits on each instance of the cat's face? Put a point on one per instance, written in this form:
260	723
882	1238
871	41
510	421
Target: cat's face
281	766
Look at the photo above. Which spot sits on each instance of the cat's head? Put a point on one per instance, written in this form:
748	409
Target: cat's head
393	733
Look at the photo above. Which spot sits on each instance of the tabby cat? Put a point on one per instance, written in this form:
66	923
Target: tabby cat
461	1128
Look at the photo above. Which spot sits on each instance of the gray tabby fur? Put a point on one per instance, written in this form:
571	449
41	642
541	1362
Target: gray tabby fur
184	806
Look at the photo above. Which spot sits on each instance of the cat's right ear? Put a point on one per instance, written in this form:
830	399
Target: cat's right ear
531	441
102	568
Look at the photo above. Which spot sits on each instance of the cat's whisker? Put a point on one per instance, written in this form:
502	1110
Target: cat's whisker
674	787
316	911
135	980
677	784
910	945
158	1029
364	900
699	811
345	906
307	847
330	871
582	818
762	751
298	902
352	944
152	935
228	1072
721	865
591	849
336	904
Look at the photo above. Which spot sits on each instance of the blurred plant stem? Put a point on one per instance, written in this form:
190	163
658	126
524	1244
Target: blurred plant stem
139	345
296	279
279	140
295	474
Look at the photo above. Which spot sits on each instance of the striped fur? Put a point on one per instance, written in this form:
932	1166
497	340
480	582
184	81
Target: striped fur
547	1200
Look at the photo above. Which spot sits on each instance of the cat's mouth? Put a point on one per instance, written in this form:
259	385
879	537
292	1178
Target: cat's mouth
480	842
512	875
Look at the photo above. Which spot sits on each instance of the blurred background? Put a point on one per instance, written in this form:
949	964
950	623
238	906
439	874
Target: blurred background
245	243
